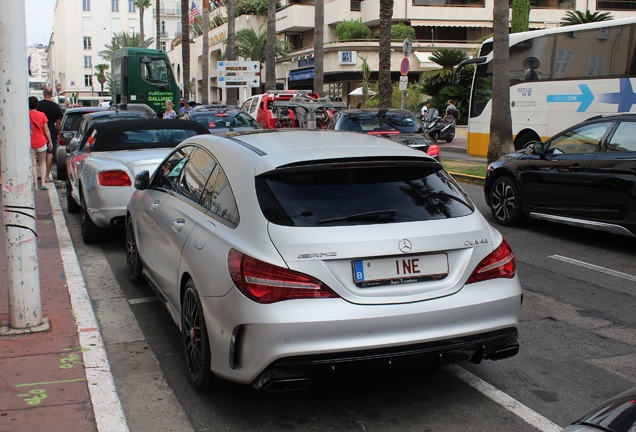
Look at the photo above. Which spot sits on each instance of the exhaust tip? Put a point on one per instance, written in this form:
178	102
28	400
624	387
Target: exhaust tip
286	385
505	353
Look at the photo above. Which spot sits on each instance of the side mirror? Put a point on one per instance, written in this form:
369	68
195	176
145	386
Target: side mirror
142	180
537	147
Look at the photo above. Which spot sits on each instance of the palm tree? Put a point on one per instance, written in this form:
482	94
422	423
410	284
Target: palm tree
205	63
122	40
384	77
101	76
158	23
447	58
578	17
270	52
185	47
232	92
319	42
142	5
253	46
501	120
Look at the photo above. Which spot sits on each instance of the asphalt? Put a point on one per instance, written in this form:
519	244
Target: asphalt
56	377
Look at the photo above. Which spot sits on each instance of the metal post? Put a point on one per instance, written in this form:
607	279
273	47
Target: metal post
23	272
286	66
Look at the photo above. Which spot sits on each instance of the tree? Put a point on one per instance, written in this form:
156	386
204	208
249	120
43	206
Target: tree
101	75
232	93
185	47
122	40
438	83
520	21
578	17
205	63
158	24
319	42
365	69
142	5
253	46
270	53
352	30
384	78
501	120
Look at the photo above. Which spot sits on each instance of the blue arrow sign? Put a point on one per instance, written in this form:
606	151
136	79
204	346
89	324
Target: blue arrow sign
625	98
585	98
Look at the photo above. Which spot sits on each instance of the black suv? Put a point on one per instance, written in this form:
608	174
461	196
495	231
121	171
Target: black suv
583	176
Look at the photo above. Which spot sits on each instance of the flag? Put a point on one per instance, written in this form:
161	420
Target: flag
194	11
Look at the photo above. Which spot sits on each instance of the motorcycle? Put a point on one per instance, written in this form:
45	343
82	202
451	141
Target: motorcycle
439	128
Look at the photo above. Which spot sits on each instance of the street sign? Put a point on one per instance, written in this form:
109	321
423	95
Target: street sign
238	66
406	47
405	66
239	81
404	80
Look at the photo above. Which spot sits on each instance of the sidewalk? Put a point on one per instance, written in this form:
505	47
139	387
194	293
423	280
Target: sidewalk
59	379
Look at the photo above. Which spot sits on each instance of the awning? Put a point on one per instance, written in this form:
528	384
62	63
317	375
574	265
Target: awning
425	62
358	92
450	23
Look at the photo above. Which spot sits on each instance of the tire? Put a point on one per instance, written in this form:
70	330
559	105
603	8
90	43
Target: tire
133	260
524	139
60	162
505	202
91	233
71	205
450	137
194	336
434	136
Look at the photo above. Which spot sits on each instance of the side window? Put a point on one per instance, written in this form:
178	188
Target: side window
169	173
584	139
624	138
246	105
254	105
218	196
195	175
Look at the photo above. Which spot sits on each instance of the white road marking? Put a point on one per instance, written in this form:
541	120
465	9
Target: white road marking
143	300
594	267
526	414
107	408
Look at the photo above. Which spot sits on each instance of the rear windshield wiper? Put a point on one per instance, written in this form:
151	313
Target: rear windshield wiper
372	216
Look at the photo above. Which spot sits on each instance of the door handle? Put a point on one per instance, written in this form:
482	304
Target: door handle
178	224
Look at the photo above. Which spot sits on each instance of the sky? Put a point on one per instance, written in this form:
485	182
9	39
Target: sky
39	21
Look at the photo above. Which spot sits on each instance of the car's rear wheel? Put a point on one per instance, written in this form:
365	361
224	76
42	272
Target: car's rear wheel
505	202
91	233
60	162
194	335
71	205
133	260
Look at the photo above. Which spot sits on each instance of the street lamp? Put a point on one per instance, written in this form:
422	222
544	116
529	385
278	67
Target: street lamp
286	66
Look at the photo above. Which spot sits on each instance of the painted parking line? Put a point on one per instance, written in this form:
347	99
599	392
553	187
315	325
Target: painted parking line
594	267
109	414
520	410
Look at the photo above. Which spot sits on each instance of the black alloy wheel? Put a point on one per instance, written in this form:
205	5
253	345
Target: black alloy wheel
194	336
505	202
133	260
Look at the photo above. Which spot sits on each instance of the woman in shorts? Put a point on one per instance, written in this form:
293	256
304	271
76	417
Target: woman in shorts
40	142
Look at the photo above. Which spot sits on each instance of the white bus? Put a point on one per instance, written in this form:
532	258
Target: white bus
558	77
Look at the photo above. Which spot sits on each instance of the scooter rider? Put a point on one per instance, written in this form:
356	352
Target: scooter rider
424	110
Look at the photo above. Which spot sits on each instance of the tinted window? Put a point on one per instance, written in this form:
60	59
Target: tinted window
71	122
624	138
169	173
216	121
584	139
382	121
218	196
326	194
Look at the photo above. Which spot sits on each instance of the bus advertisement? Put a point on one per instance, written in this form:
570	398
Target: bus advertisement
143	76
558	77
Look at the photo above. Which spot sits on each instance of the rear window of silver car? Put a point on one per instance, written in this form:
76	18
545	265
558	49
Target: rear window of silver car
360	192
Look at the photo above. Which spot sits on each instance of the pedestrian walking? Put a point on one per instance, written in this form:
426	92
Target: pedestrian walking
169	113
40	142
54	115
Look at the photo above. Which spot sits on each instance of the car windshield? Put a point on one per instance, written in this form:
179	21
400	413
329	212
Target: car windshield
359	193
382	121
216	121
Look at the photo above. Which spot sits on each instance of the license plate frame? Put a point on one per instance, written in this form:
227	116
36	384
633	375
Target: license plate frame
399	270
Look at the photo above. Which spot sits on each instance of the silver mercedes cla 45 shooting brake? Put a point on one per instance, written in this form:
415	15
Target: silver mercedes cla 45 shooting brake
285	254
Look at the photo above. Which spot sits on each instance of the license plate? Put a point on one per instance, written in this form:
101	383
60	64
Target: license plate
399	270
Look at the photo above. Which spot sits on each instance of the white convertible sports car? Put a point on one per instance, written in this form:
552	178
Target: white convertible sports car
101	168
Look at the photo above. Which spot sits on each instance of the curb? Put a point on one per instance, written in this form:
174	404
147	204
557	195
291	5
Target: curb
467	178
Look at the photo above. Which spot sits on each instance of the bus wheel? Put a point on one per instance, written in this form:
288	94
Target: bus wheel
525	138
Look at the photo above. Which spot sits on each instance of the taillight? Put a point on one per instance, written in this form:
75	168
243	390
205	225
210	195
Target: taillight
113	178
60	139
433	150
266	283
499	264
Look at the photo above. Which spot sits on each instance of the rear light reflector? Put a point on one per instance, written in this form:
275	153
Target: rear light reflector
433	150
113	178
266	283
500	263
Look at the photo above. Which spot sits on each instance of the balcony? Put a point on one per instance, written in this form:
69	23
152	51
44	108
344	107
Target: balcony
295	18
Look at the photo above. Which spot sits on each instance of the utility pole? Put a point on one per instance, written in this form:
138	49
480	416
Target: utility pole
23	271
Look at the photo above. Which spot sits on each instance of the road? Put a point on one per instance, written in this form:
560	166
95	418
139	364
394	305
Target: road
577	336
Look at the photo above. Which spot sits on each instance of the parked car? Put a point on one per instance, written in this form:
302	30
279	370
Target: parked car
69	126
584	176
395	124
284	254
617	414
221	119
89	119
102	167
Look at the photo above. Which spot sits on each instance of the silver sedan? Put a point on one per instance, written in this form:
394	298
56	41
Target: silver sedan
283	255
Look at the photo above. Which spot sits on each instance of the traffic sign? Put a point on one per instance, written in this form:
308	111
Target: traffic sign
238	66
405	66
404	80
239	81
